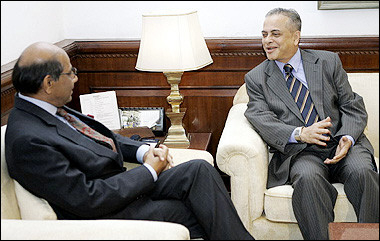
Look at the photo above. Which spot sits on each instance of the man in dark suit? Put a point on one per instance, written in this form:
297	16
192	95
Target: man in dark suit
83	178
318	140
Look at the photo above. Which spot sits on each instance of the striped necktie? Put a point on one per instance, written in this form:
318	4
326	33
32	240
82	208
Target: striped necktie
86	130
301	96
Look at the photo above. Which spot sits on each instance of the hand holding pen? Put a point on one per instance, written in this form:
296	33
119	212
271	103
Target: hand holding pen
162	152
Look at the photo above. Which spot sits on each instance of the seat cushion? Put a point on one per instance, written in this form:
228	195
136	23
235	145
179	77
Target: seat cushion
278	205
92	230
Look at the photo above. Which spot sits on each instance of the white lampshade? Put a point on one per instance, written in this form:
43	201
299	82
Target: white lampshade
172	42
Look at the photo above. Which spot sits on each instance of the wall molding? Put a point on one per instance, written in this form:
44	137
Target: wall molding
83	56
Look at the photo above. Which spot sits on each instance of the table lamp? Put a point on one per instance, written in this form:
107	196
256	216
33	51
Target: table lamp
172	42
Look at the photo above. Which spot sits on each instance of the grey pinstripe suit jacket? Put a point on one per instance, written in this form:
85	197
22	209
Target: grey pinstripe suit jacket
274	114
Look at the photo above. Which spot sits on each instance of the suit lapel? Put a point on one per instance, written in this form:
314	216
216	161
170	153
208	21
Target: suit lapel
313	73
65	131
94	125
277	83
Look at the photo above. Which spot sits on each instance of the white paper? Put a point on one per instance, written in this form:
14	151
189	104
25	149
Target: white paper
103	106
149	118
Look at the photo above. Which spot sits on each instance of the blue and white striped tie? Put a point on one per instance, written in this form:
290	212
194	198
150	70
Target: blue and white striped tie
301	96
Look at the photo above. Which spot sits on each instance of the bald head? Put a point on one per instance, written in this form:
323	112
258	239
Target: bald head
38	61
38	53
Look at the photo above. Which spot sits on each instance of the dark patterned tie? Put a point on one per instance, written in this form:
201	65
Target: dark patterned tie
301	96
86	130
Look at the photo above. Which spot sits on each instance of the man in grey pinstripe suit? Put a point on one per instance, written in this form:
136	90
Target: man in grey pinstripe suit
310	158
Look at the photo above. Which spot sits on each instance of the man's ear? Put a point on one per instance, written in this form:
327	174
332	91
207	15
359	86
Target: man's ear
47	84
297	37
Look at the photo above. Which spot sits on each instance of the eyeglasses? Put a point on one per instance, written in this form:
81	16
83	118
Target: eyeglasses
73	71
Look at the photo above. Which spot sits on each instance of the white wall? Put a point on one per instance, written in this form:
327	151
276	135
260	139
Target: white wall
26	22
23	23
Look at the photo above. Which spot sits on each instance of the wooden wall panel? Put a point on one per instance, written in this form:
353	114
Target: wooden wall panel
208	92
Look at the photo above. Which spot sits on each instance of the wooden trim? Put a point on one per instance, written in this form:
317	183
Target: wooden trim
248	50
89	48
164	91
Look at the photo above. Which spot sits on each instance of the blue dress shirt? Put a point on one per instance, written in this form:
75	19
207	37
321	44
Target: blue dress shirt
299	73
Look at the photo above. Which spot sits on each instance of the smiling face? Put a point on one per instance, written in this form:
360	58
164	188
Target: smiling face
279	38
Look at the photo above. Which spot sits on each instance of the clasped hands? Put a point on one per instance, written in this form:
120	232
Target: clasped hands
159	158
318	134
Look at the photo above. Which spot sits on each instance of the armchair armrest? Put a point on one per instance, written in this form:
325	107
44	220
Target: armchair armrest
92	229
184	155
243	155
181	156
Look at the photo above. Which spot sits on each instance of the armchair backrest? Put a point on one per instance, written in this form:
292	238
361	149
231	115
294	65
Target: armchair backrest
241	96
9	206
364	84
367	86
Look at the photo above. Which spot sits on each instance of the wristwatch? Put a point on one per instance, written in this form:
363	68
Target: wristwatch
297	133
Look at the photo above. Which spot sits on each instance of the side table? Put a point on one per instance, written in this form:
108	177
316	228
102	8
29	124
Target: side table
199	141
354	231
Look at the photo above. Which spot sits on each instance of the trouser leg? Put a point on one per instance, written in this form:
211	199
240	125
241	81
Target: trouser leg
313	197
169	210
361	183
201	188
192	194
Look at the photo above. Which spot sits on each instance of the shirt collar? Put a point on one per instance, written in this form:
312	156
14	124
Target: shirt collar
295	61
40	103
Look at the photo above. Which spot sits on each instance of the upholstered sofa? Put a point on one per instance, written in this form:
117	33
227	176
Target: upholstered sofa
243	155
25	216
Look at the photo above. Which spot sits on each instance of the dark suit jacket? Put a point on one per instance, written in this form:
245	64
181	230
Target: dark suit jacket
274	114
78	177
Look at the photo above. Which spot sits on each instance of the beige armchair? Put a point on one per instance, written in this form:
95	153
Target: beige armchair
243	155
25	216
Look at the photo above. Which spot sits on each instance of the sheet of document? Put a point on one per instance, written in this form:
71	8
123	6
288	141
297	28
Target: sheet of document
103	107
149	118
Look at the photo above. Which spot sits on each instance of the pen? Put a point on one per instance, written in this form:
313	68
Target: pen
158	144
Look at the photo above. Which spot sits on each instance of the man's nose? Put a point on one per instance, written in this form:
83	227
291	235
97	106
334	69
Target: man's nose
268	39
75	79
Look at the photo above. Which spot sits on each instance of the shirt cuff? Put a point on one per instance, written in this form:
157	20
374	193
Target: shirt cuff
352	140
291	138
140	158
141	152
152	171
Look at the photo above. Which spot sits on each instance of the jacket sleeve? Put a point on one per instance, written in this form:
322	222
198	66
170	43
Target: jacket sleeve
274	131
48	172
128	147
351	106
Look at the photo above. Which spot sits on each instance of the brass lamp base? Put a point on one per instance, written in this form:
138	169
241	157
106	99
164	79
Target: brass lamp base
176	137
